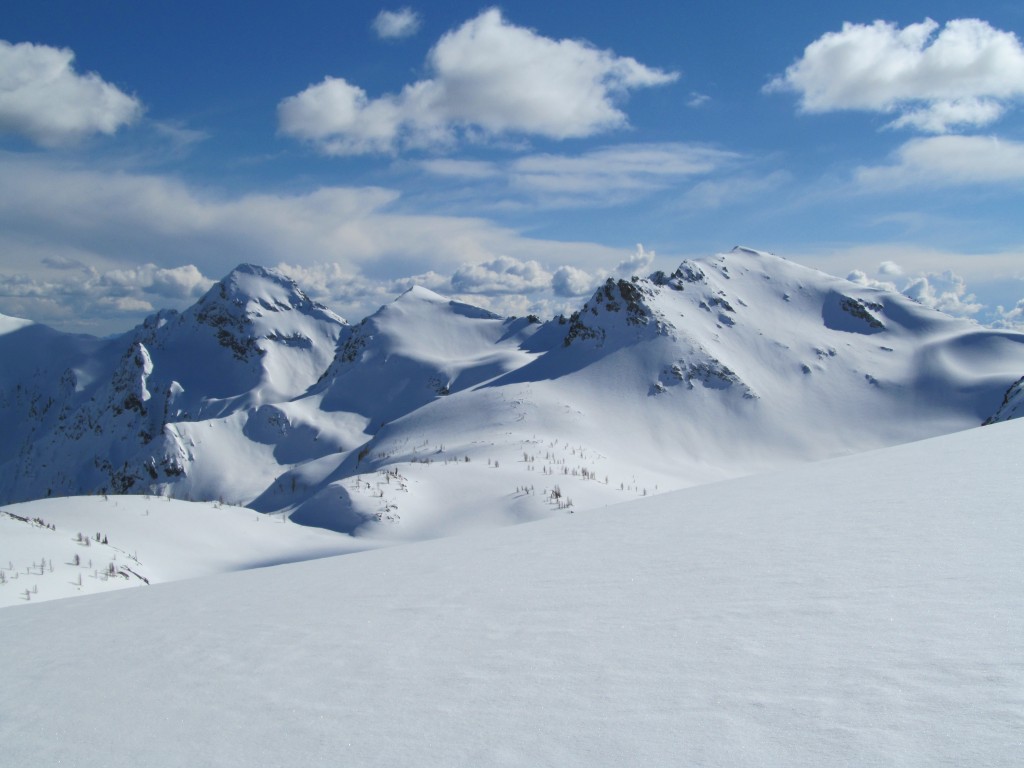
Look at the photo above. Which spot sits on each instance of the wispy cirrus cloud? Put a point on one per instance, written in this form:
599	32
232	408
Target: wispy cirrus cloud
489	78
598	178
44	99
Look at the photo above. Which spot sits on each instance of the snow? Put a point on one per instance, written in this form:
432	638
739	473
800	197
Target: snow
866	610
149	540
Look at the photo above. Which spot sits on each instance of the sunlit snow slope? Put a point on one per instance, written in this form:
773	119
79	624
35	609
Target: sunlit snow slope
863	611
71	547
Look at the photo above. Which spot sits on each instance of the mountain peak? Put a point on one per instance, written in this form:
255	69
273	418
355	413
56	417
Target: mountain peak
419	293
254	286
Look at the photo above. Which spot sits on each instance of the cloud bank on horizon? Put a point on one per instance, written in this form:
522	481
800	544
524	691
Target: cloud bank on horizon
515	168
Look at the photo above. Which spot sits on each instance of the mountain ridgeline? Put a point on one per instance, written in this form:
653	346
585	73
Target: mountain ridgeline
432	416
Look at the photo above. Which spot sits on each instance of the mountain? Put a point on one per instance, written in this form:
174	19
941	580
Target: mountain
121	419
1012	406
432	416
867	608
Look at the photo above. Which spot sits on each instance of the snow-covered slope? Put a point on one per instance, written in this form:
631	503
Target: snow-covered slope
432	417
863	611
71	547
417	348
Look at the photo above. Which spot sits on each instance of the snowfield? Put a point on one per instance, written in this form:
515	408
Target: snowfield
867	610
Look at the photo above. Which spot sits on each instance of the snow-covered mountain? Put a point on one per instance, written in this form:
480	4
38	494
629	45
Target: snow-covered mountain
119	419
433	416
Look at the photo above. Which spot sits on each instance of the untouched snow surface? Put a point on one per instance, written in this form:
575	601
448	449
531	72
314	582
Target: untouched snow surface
865	611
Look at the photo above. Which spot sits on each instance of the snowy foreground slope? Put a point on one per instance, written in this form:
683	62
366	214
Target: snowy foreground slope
865	611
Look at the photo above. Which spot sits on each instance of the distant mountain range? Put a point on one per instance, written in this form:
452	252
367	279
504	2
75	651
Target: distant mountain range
433	416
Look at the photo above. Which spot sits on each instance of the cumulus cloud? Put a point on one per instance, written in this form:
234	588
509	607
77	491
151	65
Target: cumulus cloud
965	74
99	300
44	99
390	25
501	275
505	275
862	278
945	291
490	78
569	281
1010	318
638	262
184	282
949	161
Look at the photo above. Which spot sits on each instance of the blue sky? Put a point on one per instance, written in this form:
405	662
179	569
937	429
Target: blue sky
513	156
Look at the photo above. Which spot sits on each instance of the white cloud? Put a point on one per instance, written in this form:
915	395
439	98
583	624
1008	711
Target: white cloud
570	281
949	161
69	236
404	22
43	99
340	118
490	78
77	295
184	282
862	278
1010	318
966	75
628	167
946	292
939	116
501	275
462	169
637	263
601	177
697	100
